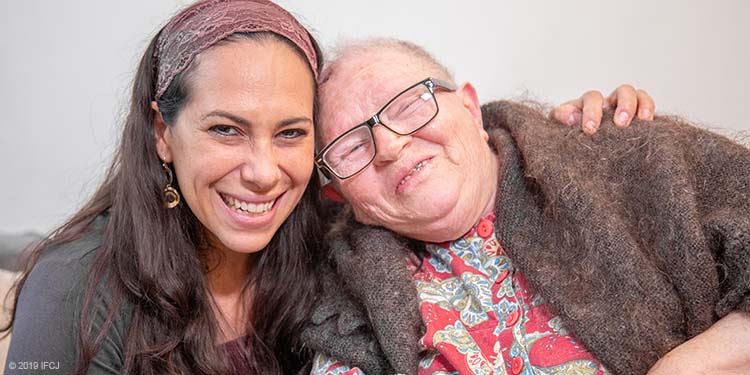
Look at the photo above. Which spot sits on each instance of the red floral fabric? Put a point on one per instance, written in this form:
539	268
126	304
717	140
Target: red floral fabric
483	317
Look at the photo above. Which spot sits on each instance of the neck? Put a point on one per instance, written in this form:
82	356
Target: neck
492	201
227	278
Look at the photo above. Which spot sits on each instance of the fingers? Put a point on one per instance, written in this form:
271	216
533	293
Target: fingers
569	113
626	100
646	105
586	111
593	102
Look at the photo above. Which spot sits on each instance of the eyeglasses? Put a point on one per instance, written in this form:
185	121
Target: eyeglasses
405	114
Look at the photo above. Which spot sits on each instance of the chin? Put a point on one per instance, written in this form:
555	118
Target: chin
247	244
442	223
438	204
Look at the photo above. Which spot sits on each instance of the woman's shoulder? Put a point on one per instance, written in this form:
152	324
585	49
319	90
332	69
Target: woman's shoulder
76	254
64	267
50	302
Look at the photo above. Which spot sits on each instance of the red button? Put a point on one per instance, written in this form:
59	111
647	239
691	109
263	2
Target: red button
485	228
512	318
502	276
516	365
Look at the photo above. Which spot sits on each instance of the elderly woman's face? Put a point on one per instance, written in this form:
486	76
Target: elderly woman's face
242	147
432	185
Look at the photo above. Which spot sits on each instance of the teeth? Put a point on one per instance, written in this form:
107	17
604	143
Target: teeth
416	168
247	207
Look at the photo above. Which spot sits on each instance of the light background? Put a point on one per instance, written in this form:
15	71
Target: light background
66	67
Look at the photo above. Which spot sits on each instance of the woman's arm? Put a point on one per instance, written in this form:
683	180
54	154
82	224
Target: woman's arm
722	349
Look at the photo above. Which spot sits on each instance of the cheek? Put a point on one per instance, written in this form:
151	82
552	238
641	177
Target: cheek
297	163
365	211
365	197
203	164
462	145
197	175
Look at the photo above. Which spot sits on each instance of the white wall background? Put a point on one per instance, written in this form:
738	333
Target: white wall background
66	66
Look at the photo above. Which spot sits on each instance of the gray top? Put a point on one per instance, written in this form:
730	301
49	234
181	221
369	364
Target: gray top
45	333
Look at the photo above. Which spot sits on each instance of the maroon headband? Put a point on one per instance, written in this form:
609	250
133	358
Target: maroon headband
206	22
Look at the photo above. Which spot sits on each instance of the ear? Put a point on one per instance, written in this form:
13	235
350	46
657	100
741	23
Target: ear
470	101
330	192
162	134
327	190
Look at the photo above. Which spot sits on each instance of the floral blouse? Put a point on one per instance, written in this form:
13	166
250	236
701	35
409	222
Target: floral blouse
482	317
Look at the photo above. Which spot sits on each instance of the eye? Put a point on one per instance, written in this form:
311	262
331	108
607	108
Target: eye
354	149
224	130
292	133
407	106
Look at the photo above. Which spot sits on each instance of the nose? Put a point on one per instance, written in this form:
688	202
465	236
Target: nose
261	167
389	145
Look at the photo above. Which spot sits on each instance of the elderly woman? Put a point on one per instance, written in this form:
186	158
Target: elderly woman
485	241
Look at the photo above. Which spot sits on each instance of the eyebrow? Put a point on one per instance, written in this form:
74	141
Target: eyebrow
227	115
295	120
241	121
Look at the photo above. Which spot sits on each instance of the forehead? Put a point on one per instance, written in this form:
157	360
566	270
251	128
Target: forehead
247	68
361	85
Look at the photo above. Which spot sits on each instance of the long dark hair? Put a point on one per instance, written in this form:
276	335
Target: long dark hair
150	258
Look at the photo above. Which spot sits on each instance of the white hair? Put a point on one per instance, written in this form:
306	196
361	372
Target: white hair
349	49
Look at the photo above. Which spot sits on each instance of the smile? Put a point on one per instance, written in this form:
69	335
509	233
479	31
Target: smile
247	207
415	169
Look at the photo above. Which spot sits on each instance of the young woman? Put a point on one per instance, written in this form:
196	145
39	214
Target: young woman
195	255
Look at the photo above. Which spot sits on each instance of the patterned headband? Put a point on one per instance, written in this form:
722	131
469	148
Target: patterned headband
206	22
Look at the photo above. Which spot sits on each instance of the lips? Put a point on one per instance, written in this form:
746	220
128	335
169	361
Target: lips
413	170
407	174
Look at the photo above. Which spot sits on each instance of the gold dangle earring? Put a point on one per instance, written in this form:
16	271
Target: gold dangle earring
171	196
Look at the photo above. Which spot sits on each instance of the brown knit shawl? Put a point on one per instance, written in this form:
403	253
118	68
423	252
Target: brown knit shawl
638	238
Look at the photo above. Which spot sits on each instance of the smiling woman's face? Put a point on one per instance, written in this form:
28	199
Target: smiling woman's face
242	146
